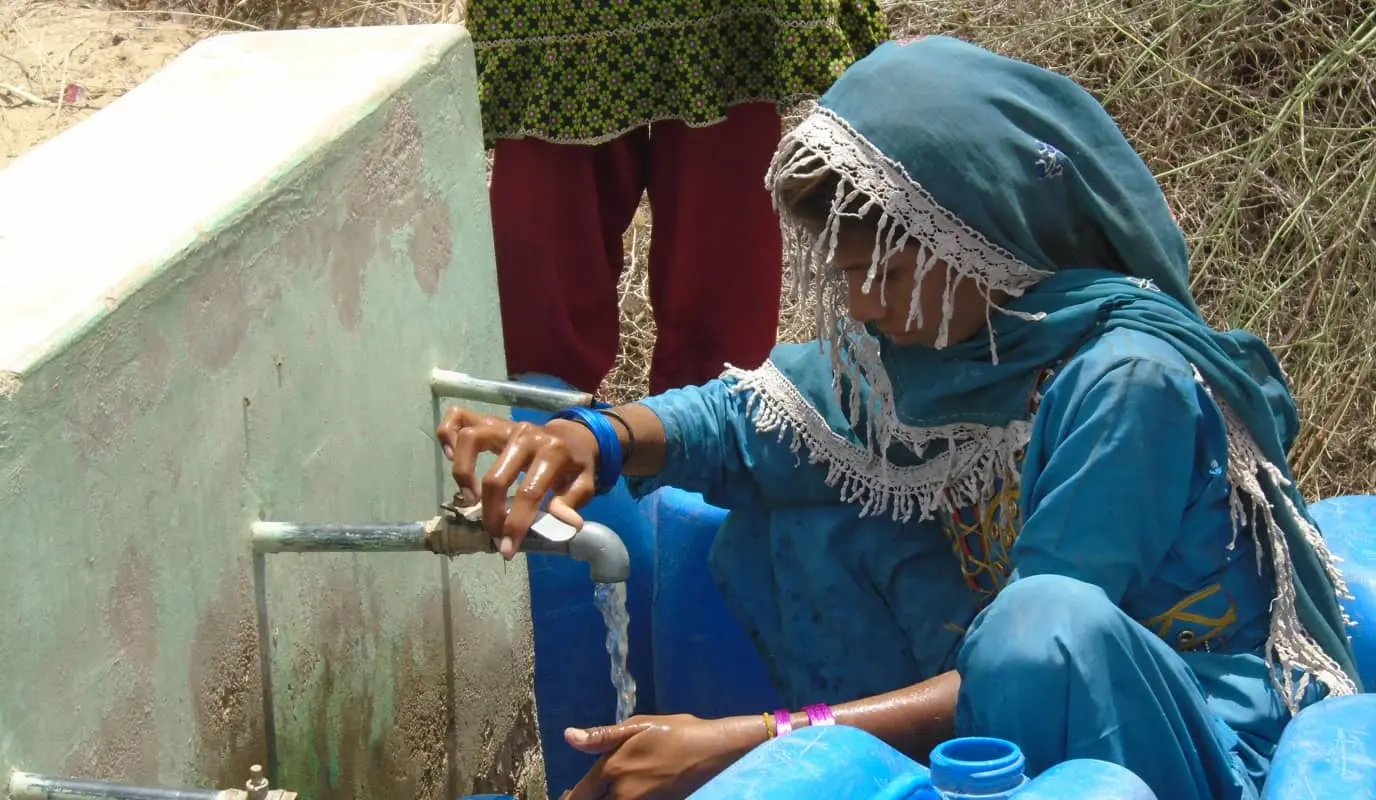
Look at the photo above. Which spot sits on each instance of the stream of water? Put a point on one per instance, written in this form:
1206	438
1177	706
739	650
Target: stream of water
610	599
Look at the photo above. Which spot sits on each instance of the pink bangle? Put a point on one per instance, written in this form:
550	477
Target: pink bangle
819	714
783	722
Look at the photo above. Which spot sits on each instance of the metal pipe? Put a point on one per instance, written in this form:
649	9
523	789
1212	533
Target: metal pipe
457	532
461	386
25	786
293	537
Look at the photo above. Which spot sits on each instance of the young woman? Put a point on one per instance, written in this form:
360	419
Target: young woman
1019	489
589	105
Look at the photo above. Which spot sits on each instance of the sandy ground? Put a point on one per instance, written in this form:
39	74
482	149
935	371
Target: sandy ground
61	61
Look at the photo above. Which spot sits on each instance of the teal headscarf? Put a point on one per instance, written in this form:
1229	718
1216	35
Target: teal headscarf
1015	177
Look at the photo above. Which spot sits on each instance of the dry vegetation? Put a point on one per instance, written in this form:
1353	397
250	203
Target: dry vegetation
1259	116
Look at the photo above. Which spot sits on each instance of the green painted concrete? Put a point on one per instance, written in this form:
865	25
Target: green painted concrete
220	301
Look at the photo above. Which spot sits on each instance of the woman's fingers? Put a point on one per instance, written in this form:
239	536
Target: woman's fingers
463	434
467	443
567	499
604	738
546	470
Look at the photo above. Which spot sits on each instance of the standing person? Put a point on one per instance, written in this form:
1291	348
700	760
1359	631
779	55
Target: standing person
1020	490
590	103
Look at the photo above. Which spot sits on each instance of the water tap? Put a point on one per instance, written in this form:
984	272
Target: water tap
459	531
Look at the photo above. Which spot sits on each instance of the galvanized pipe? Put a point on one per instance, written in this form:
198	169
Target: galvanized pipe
461	386
454	534
299	537
25	786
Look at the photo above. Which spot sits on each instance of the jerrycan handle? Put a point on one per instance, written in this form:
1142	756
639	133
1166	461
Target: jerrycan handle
913	786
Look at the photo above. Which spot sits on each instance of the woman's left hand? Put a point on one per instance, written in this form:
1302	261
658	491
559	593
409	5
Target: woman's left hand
660	758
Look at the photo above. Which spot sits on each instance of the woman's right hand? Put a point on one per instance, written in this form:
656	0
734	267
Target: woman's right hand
558	457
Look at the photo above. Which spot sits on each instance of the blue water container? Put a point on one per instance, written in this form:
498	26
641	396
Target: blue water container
1086	779
573	685
1348	525
1328	752
704	663
842	763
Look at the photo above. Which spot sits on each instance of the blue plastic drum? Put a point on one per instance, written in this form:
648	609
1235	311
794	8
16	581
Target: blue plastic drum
704	663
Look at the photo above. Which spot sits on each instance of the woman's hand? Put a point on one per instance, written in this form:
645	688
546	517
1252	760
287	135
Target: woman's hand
660	758
558	457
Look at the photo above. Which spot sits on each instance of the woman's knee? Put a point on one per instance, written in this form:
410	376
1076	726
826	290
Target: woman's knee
1035	629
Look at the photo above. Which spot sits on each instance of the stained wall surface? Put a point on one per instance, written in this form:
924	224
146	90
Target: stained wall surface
220	300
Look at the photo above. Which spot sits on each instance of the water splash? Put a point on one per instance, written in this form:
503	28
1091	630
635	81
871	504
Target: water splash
610	599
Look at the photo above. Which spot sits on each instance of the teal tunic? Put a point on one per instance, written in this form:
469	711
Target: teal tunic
1101	609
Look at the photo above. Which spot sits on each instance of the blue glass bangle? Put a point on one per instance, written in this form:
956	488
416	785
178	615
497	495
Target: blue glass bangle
608	444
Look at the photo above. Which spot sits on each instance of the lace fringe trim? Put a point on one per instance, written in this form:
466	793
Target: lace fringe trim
1289	646
825	143
978	457
976	460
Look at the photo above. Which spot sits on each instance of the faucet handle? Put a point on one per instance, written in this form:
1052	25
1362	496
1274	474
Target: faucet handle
546	525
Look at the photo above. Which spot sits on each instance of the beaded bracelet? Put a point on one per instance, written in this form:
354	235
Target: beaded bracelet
608	444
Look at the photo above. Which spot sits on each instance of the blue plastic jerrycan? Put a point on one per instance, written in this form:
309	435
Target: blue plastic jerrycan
843	763
1328	752
1348	525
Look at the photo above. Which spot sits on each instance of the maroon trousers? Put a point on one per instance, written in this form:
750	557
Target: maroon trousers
559	213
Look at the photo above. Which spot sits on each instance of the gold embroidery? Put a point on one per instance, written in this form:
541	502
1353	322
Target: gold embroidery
1179	613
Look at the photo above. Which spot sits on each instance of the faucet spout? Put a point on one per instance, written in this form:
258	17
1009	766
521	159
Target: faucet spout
603	551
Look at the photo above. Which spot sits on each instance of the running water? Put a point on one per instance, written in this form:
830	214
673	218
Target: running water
610	599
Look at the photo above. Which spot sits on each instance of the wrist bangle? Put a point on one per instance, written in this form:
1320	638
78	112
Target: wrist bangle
819	714
608	444
783	722
629	451
769	730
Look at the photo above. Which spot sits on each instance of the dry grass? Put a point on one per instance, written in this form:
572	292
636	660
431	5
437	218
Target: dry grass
1258	115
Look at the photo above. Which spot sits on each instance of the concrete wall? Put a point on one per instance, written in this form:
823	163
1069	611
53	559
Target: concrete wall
220	300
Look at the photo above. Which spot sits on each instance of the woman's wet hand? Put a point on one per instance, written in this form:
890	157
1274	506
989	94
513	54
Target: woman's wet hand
660	757
559	458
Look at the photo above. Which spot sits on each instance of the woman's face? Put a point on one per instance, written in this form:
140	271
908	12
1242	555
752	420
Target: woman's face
886	304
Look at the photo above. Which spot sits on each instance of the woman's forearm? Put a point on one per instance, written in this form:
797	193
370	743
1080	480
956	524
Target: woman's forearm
648	432
913	719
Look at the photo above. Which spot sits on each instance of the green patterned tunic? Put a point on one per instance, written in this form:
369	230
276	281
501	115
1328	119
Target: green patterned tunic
587	71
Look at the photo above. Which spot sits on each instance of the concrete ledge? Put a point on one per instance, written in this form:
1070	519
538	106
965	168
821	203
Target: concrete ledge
220	300
89	217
